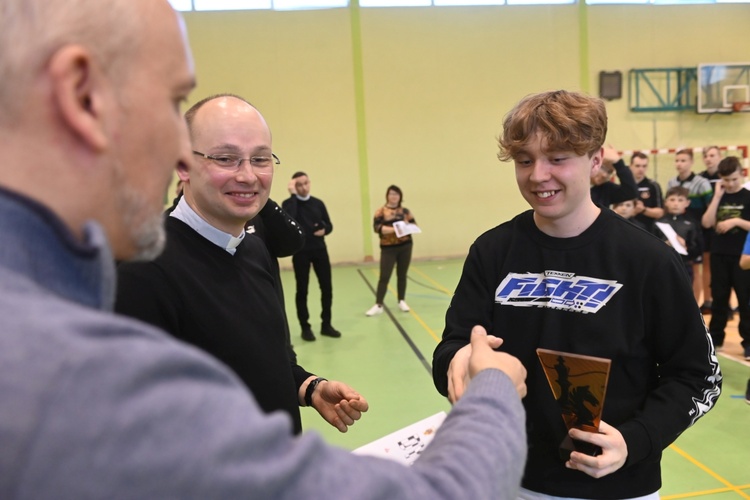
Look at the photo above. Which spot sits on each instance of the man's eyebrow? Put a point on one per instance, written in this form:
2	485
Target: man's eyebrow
226	147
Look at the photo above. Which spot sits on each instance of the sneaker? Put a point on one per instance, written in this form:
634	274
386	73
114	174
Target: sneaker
374	310
330	331
307	334
403	306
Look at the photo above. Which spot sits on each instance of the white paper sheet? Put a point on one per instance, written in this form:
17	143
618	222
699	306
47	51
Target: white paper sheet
672	237
406	444
403	228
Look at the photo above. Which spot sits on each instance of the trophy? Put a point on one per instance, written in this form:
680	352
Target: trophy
579	384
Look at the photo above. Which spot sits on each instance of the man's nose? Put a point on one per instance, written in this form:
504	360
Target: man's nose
540	171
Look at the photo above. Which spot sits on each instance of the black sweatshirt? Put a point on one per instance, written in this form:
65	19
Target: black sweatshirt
615	292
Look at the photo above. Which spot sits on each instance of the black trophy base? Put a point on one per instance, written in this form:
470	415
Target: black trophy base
569	444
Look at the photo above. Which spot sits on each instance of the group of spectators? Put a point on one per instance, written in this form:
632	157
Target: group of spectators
709	213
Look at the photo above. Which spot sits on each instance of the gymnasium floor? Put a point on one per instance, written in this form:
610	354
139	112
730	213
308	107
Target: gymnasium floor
387	358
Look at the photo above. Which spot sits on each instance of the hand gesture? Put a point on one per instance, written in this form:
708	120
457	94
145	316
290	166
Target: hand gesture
610	154
719	190
338	404
725	225
639	207
292	186
479	355
613	456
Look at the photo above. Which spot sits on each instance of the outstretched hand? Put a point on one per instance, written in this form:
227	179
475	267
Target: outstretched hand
338	404
613	456
480	355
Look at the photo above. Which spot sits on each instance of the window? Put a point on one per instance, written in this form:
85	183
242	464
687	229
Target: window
395	3
181	4
308	4
231	4
468	2
205	5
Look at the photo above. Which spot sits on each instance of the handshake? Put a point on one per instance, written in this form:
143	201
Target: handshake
480	355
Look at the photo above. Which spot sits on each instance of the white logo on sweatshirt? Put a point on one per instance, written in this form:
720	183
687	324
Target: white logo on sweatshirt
556	290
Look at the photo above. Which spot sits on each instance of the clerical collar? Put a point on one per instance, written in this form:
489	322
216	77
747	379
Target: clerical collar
186	214
302	198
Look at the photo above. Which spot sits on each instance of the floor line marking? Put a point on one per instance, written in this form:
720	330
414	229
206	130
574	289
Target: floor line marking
708	471
696	493
401	330
428	278
416	316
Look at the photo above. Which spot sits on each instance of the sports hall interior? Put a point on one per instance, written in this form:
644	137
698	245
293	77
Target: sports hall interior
361	98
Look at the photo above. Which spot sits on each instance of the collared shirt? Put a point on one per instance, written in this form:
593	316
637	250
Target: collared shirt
186	214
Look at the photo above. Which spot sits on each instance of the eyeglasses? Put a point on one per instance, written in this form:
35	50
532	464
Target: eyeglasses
262	165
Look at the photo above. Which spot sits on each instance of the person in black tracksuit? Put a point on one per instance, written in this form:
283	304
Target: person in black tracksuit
311	214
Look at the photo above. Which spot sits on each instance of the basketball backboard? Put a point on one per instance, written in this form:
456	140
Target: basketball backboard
721	85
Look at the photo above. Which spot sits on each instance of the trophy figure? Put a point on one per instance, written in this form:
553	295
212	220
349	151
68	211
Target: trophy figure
579	384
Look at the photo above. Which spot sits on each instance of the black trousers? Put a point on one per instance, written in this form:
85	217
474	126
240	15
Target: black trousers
726	275
400	256
321	264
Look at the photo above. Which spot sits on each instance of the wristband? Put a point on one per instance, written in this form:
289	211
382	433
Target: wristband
311	388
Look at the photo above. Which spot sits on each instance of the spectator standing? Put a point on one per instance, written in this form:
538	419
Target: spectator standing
649	203
394	250
729	215
700	194
603	190
311	213
687	231
711	158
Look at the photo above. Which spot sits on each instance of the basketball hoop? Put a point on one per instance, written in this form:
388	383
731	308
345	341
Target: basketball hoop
740	106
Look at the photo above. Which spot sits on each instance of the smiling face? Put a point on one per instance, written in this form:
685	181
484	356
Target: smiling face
227	198
557	186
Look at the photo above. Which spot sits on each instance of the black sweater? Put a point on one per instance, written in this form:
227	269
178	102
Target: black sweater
615	292
312	215
227	305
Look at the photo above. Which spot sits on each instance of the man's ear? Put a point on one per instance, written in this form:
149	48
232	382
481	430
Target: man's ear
183	171
596	161
78	94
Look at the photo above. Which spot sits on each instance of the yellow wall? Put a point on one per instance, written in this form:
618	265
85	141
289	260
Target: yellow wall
433	89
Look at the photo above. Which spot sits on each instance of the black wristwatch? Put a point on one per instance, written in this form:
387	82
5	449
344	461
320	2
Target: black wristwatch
311	388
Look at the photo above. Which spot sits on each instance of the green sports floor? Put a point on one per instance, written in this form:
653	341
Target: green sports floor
387	358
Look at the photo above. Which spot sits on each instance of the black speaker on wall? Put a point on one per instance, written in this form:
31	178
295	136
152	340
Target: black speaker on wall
610	85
